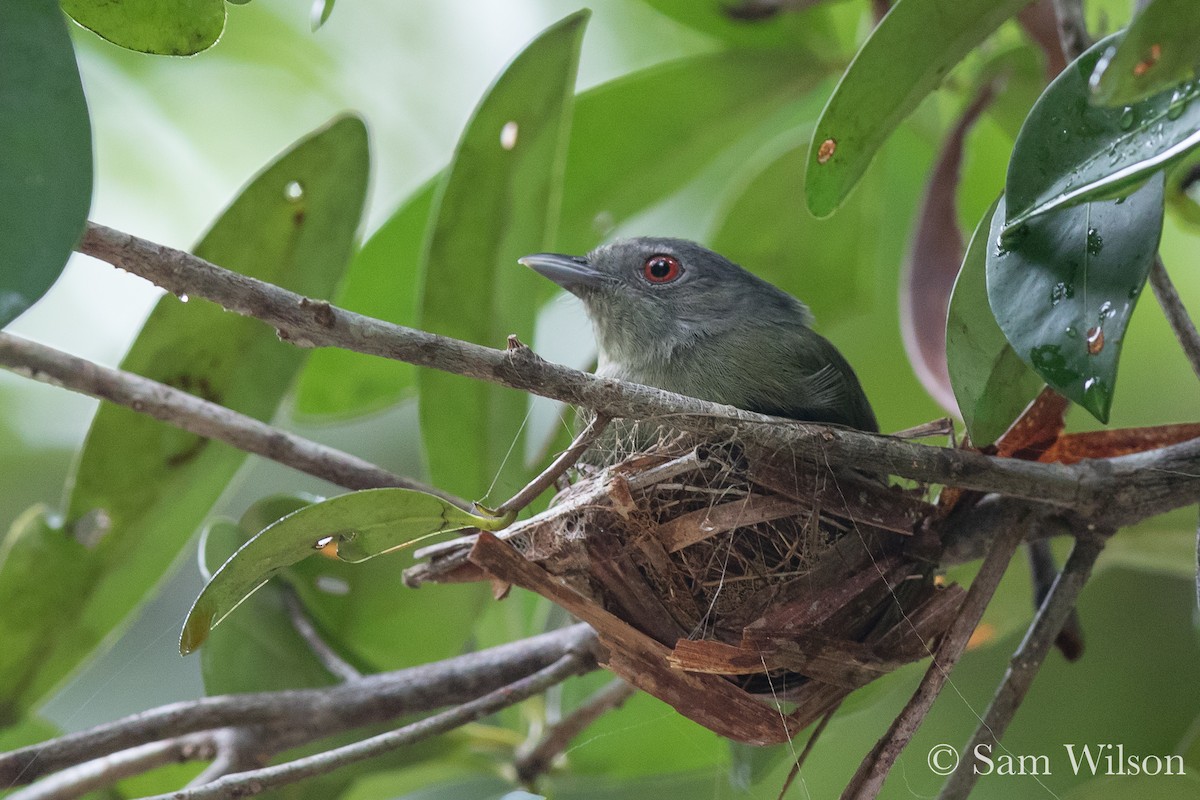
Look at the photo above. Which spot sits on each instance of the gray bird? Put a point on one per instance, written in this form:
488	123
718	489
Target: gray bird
672	314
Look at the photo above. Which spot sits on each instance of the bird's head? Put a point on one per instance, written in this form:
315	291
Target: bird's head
647	296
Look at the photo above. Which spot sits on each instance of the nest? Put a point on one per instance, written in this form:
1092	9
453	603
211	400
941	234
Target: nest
715	575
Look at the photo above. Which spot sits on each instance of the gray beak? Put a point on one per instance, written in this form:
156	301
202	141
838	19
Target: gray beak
569	272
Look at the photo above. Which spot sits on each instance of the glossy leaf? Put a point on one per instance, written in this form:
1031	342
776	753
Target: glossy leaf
162	27
887	80
499	202
1064	285
991	383
382	282
351	527
142	487
1159	50
1069	151
45	152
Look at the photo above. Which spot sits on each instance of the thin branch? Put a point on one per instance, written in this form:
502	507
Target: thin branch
869	778
238	750
1043	572
807	751
199	416
330	659
556	469
1121	490
1072	28
302	715
537	759
1027	660
246	784
104	772
1177	315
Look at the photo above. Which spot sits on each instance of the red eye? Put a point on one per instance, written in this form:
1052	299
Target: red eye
661	269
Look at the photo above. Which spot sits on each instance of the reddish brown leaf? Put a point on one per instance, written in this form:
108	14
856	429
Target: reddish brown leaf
1074	447
1036	429
933	263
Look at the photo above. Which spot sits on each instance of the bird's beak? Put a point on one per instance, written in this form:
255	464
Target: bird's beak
569	272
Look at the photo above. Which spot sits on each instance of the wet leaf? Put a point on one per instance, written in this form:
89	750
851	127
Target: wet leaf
141	487
45	152
887	80
934	259
162	27
1159	50
992	385
1064	284
351	527
499	201
1070	151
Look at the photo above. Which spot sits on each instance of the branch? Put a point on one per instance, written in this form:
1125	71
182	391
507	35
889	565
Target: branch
304	715
330	659
559	736
1121	490
868	780
556	469
103	772
198	416
246	784
1027	660
1177	315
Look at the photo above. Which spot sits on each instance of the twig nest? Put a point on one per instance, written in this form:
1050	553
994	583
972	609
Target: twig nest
781	578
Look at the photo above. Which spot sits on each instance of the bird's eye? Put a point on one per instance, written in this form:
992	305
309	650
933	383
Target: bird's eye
661	269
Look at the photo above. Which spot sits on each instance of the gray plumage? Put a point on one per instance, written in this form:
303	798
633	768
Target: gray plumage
672	314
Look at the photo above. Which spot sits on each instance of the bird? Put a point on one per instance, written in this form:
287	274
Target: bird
672	314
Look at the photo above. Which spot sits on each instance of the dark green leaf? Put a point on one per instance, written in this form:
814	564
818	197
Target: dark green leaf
1063	285
354	527
1069	151
45	152
162	27
500	201
991	383
381	282
887	80
1183	188
142	487
1160	49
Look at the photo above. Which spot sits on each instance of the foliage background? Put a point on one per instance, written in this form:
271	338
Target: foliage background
175	138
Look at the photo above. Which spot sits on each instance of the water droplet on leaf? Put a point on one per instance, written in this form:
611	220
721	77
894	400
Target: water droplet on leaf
1095	243
508	134
1095	340
293	191
1126	118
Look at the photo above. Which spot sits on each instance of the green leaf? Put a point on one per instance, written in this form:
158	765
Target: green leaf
161	27
780	31
320	13
357	526
1069	151
500	201
381	282
991	383
1064	284
887	80
616	169
259	650
1159	50
141	488
45	152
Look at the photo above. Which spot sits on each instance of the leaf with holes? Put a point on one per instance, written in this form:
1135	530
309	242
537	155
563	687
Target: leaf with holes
499	201
351	527
886	81
1063	285
992	385
142	487
1070	151
1160	50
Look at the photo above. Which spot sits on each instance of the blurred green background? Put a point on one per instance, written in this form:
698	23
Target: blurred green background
175	139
